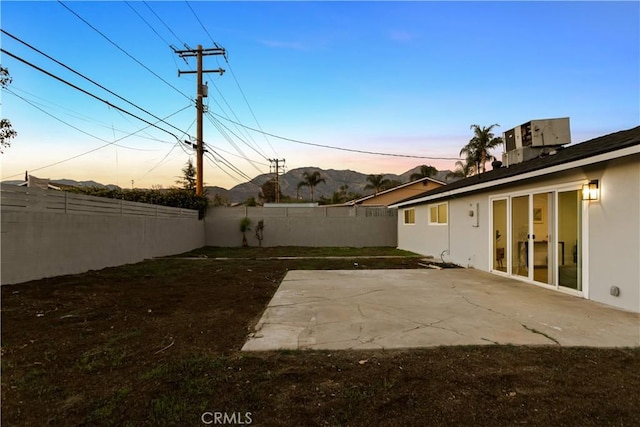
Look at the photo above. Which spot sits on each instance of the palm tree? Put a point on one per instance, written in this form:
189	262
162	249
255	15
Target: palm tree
463	170
425	172
477	150
376	182
311	180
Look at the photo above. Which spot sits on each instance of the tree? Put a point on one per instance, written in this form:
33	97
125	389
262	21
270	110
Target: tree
260	232
311	181
425	172
245	225
188	178
463	170
477	150
376	182
7	133
269	191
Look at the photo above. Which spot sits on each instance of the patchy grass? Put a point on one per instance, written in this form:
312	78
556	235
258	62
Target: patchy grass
157	343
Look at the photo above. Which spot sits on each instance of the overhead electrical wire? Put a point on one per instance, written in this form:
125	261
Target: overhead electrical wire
218	126
124	51
166	155
215	163
237	83
77	128
164	23
86	152
24	61
85	77
251	109
199	21
147	22
352	150
218	122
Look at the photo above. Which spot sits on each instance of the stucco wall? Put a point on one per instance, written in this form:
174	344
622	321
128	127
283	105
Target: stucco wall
319	226
42	244
614	234
613	225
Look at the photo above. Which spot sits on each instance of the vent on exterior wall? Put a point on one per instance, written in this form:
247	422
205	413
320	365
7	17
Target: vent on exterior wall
535	138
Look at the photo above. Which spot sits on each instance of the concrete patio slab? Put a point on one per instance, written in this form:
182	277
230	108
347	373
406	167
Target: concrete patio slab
384	309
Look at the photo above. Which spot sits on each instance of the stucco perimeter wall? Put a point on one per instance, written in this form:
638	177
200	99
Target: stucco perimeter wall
42	244
317	226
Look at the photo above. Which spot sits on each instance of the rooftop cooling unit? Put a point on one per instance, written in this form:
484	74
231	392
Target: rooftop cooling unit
527	141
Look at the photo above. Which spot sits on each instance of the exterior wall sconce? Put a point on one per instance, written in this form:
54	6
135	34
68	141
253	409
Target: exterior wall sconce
590	191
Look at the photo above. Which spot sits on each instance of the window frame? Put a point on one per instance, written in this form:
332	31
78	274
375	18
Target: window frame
437	207
413	215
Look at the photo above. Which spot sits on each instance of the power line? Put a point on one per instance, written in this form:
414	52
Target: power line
199	21
80	130
216	121
148	24
83	154
352	150
250	109
237	83
244	156
124	51
164	23
24	61
86	78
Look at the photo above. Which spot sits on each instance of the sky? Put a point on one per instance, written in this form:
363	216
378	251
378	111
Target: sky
403	78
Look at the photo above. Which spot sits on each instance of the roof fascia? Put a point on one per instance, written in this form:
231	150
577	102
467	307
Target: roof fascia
635	149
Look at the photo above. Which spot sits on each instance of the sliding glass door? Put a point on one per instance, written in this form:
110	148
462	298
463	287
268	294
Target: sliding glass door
537	236
520	236
570	240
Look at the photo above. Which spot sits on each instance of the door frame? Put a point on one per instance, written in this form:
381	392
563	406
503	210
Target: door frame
555	189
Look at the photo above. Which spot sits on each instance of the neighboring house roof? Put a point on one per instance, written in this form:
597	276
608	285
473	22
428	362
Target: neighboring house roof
424	181
603	148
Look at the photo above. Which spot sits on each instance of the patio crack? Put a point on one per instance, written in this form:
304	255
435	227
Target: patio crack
535	331
532	330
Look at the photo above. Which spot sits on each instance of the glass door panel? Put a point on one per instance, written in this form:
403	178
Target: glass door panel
520	236
569	240
541	238
500	235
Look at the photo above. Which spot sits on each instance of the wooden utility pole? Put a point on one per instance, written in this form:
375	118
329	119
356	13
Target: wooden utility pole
277	170
202	92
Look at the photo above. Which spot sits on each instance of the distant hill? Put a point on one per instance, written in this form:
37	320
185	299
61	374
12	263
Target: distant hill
69	182
289	183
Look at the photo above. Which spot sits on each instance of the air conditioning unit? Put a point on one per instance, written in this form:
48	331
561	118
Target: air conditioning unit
526	141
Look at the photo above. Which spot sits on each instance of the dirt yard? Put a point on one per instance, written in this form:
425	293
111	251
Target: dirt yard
157	343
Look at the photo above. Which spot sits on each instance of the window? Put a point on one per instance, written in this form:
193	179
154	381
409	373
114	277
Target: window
438	214
409	216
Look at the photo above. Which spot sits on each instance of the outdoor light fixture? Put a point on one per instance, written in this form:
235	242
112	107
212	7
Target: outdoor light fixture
590	191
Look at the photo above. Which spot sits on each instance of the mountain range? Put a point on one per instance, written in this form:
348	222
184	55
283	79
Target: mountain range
334	180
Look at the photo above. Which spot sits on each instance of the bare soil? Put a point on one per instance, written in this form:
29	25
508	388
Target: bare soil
158	343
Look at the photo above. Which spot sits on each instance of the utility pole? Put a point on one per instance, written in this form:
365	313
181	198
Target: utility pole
202	92
276	169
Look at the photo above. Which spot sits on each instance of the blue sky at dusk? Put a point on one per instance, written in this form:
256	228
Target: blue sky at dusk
394	77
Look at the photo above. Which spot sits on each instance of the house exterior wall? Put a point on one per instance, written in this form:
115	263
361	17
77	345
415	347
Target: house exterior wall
396	195
317	226
43	244
612	247
614	234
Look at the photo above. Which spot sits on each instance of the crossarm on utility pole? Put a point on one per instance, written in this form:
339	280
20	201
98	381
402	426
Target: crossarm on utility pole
199	53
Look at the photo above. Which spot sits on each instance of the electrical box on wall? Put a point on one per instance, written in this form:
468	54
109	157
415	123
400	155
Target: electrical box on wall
473	214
